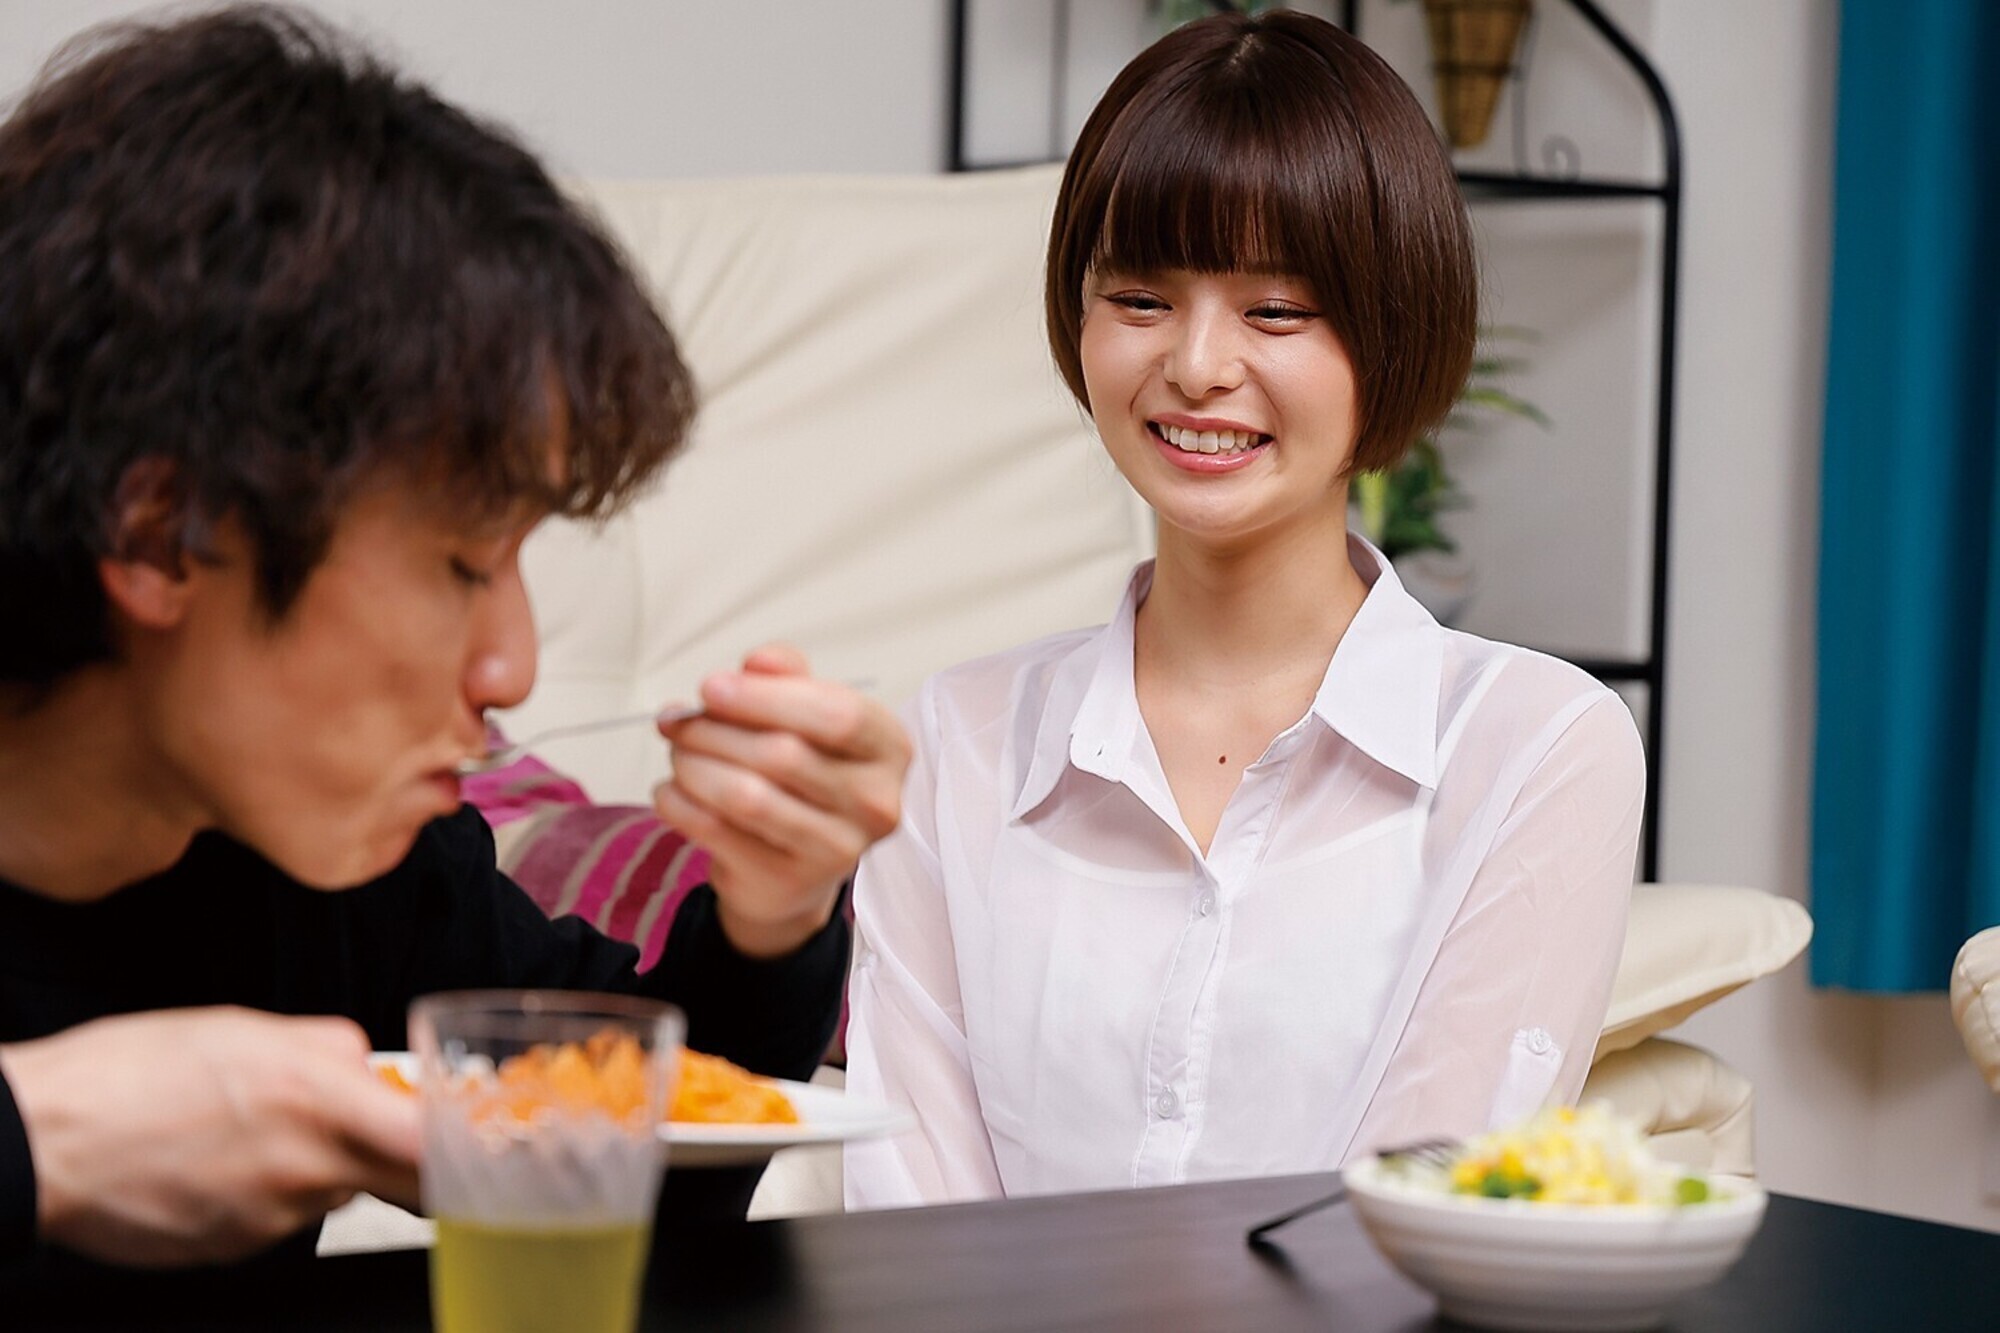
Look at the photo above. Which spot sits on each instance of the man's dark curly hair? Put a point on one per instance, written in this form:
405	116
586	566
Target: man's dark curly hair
251	259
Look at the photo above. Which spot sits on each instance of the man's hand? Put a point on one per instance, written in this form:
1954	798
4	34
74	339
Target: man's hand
785	780
200	1135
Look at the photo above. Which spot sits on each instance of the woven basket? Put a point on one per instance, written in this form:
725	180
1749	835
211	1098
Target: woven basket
1472	56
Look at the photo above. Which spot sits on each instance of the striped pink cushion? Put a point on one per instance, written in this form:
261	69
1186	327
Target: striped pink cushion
616	866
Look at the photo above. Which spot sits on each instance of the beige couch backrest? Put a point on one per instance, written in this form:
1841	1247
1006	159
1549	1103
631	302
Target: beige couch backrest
886	470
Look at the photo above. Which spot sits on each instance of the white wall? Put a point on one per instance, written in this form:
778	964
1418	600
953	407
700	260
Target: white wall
1864	1100
1859	1099
641	87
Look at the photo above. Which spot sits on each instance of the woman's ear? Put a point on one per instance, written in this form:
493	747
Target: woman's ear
145	570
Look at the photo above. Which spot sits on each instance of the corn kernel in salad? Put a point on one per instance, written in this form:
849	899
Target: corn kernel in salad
1574	1155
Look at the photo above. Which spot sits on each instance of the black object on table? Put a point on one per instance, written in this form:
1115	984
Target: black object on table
1140	1260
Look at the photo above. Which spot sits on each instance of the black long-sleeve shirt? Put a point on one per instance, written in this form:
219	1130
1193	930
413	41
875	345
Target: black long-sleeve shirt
224	926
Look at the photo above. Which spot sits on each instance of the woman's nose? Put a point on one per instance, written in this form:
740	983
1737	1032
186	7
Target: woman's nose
1205	357
500	668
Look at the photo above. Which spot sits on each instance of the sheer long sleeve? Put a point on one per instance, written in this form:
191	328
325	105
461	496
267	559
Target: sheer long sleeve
1509	1014
906	1042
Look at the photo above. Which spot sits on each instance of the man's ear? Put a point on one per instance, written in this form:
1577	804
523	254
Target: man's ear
145	570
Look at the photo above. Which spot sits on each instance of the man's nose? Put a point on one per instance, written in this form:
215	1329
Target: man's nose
500	668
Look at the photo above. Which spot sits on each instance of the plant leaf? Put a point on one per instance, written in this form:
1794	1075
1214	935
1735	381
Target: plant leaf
1398	509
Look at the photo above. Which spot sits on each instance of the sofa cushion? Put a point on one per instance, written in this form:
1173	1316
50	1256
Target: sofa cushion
1694	1110
1688	945
886	469
616	866
1975	1001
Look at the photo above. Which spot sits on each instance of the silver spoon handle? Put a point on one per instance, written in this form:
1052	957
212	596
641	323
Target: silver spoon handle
507	754
657	716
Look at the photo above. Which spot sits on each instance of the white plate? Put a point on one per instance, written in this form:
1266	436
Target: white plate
826	1115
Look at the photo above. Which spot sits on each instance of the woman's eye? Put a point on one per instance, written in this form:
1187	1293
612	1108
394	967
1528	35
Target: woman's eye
467	574
1282	313
1140	301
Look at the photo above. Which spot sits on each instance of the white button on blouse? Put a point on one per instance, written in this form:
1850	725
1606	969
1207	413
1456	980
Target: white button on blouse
1406	923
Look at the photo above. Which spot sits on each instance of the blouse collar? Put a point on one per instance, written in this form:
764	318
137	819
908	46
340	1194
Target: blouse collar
1380	691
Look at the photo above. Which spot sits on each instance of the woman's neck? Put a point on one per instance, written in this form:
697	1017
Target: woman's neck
1227	618
82	811
1229	650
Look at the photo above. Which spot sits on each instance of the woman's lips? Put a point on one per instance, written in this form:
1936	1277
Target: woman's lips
1207	464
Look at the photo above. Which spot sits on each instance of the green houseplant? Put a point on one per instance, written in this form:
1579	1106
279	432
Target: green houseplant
1399	508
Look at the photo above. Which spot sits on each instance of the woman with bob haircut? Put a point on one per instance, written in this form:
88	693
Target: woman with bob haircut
1272	869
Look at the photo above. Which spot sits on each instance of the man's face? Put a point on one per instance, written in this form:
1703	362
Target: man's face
328	739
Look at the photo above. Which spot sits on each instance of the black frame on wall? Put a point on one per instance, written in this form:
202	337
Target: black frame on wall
1648	668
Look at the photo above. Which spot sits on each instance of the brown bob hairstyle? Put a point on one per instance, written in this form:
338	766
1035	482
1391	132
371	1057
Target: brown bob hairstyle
1281	144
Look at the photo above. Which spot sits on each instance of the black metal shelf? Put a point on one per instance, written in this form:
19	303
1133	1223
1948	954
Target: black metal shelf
1496	187
1650	667
1478	186
1610	669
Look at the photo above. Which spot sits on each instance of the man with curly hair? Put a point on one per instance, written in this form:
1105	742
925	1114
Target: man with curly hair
293	355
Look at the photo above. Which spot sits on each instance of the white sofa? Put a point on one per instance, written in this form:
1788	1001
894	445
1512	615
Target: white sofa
1975	1001
887	472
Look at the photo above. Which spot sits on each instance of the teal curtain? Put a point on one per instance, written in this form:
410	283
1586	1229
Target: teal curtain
1906	791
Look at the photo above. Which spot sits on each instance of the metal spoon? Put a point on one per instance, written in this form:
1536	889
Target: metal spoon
507	754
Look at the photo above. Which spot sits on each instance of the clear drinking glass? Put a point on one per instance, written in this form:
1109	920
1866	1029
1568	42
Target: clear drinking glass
542	1155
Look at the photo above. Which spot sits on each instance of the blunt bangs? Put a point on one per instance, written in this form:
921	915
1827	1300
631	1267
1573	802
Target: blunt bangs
1215	179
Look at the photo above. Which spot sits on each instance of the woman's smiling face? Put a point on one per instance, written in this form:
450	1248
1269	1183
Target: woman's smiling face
1225	399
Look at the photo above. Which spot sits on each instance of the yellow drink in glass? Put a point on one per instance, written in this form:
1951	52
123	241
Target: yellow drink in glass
495	1280
542	1155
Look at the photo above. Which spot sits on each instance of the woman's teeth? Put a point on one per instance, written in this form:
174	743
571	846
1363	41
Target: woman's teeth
1209	441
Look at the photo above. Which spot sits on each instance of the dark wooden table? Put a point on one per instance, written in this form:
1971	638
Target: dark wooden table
1149	1261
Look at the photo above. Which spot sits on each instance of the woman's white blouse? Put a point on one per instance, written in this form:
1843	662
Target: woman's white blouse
1406	923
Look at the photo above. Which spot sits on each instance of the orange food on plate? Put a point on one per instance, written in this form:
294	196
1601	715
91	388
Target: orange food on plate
713	1091
605	1073
608	1073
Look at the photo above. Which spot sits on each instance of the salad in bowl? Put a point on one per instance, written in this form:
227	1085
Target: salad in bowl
1573	1155
1567	1221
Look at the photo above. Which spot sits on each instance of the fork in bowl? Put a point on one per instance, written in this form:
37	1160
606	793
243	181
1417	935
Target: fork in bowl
1431	1152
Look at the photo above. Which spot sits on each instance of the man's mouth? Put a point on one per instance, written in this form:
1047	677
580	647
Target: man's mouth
1208	441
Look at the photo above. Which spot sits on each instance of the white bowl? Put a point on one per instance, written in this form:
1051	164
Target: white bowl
1513	1264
